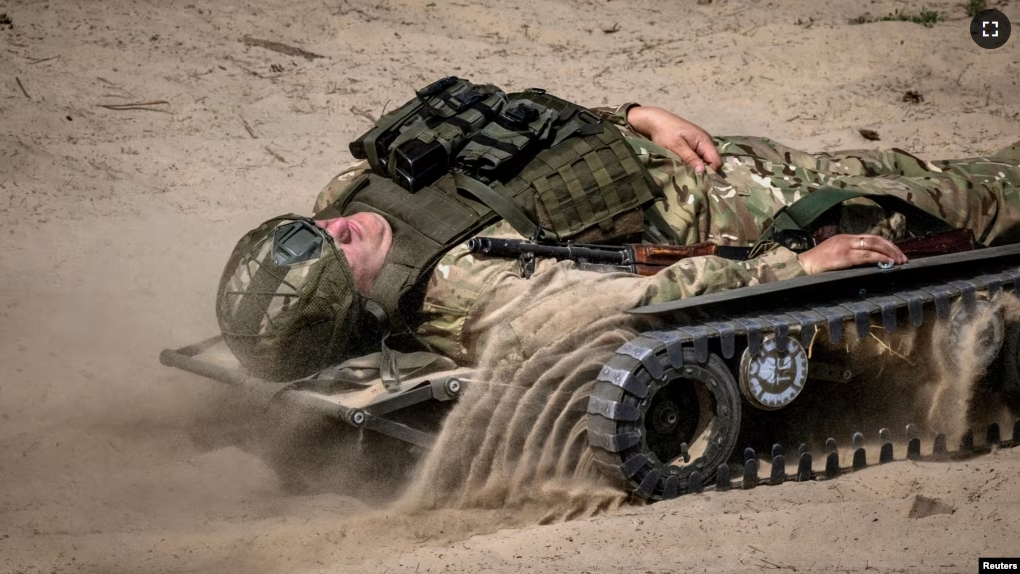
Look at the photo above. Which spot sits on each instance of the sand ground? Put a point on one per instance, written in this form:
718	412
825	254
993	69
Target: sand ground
115	224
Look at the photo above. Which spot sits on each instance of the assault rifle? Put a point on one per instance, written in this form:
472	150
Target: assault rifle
630	258
650	259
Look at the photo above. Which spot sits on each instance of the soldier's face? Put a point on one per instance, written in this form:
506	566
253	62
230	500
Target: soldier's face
365	239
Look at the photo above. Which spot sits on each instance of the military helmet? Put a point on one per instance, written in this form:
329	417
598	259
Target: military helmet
286	303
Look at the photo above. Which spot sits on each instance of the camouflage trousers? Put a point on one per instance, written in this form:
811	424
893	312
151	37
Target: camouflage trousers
760	176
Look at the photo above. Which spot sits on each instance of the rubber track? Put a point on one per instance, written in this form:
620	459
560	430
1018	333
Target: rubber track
860	459
614	409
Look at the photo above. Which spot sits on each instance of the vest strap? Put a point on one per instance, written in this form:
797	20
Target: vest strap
499	202
799	217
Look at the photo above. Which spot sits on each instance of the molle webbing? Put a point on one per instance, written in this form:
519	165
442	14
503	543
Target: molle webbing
542	163
584	182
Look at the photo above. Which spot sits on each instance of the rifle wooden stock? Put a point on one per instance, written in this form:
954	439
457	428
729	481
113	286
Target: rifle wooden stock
952	241
650	259
669	254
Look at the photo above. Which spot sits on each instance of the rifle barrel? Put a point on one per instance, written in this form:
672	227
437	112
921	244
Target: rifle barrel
603	254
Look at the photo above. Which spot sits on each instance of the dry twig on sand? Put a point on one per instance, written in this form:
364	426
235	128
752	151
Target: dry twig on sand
358	111
279	47
250	131
274	154
143	106
23	90
32	60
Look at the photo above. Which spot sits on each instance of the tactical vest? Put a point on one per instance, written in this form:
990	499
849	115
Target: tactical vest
460	156
426	225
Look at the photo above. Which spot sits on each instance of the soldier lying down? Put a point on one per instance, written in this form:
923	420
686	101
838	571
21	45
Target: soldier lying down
377	254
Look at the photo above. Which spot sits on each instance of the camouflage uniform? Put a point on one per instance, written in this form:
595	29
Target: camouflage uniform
760	176
468	296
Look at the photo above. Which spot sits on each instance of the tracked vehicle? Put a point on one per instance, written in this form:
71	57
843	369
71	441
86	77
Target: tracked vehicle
671	407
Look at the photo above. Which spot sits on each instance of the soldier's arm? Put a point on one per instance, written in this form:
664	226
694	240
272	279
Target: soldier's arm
692	144
617	115
470	297
710	274
526	315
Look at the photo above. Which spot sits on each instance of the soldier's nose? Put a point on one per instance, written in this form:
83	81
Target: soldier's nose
338	228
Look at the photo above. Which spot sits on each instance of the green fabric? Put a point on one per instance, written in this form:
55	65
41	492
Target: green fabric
802	214
542	163
585	185
425	225
498	202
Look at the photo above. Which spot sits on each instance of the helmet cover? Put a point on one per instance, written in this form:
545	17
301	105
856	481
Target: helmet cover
286	303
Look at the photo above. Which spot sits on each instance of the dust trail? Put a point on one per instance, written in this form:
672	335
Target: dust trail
911	376
517	438
959	399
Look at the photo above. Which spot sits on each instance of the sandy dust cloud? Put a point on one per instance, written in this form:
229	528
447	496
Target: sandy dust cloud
141	139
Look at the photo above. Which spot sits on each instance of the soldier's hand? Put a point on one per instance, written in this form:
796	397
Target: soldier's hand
693	144
844	251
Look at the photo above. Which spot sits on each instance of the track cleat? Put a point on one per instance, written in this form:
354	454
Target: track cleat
648	483
749	454
830	445
722	478
671	488
993	436
886	454
860	459
804	467
967	441
1016	431
914	449
695	483
777	450
803	448
831	465
885	435
941	447
912	432
750	474
778	473
857	440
